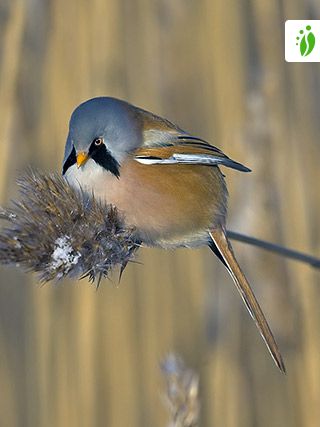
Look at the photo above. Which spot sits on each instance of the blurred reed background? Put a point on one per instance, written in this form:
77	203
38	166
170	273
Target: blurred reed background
71	356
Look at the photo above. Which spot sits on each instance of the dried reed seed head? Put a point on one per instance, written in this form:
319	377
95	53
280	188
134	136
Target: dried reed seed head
57	231
182	392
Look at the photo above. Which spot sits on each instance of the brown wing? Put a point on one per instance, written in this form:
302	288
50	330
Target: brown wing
185	149
165	143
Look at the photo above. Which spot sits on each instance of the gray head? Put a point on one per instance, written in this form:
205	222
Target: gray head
104	129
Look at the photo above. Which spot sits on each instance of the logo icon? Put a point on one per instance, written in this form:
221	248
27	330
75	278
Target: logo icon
306	40
302	41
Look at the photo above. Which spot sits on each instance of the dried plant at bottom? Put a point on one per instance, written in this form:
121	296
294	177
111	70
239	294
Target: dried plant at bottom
57	231
182	392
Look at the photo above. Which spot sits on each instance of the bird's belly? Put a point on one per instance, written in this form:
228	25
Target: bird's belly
170	205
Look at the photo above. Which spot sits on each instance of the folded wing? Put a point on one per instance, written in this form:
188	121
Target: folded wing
185	149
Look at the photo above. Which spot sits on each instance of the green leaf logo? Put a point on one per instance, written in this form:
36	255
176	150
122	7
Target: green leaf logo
307	41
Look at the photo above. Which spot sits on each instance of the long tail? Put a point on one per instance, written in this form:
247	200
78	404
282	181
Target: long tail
223	249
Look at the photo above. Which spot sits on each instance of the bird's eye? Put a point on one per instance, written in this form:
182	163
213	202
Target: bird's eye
98	141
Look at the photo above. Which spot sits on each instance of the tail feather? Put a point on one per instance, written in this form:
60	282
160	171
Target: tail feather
222	248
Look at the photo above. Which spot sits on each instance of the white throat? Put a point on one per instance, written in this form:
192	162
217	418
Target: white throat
88	177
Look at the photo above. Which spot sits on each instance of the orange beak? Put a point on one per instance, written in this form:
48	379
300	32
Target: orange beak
82	157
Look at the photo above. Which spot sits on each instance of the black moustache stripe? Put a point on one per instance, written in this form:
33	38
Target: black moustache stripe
100	155
103	157
71	160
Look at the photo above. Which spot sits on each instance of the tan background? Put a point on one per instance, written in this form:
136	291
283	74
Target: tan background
74	357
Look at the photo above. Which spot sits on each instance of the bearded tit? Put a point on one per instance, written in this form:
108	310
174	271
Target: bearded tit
166	182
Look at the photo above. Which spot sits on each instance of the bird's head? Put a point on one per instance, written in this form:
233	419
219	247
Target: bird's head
104	130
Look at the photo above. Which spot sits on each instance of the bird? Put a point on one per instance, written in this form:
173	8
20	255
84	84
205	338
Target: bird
166	182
